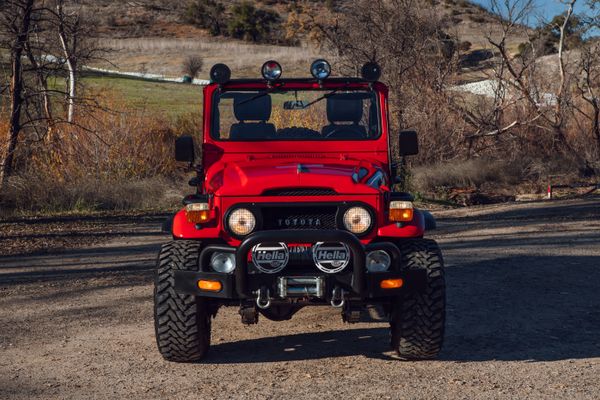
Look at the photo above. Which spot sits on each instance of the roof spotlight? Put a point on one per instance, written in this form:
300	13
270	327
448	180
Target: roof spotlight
320	69
371	72
220	73
271	70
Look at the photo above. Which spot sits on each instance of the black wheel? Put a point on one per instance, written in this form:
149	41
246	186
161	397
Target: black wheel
418	317
181	322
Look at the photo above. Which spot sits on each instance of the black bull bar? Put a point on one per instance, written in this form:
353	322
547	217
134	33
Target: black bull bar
363	284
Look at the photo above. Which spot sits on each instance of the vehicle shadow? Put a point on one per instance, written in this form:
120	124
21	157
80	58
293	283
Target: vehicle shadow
540	308
79	264
369	342
511	308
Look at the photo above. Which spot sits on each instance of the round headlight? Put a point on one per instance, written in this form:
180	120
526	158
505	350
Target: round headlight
378	261
222	262
357	220
271	70
320	69
241	221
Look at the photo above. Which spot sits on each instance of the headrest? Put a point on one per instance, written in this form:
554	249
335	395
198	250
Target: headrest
245	109
342	108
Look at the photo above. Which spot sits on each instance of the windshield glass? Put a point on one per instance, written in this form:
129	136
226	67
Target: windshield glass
296	115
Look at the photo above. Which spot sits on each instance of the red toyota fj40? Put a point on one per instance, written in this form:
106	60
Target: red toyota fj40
294	207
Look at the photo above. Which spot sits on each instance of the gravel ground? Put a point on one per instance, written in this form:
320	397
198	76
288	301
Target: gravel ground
523	322
27	236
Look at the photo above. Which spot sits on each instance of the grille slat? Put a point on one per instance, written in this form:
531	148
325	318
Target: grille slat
300	192
321	217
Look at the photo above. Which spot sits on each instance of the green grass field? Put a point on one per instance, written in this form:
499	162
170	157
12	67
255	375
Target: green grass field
172	99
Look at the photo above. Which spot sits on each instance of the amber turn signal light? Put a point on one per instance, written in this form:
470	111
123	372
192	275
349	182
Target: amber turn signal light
391	283
210	286
197	213
401	211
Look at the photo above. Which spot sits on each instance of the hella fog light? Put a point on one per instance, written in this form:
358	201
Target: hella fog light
197	212
271	70
320	69
241	222
401	211
223	262
378	261
357	220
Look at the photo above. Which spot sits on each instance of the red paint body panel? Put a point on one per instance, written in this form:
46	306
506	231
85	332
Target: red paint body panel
240	172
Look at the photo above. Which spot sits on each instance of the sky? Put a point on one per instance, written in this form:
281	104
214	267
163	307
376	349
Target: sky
547	8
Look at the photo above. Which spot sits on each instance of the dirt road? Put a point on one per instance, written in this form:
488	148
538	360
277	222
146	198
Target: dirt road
523	322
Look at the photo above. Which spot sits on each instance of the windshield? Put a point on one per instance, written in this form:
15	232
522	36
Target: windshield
296	115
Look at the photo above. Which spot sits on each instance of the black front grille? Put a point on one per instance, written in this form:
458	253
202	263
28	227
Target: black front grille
313	217
300	192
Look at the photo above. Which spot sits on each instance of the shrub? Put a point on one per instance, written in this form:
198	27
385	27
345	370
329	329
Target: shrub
480	19
253	24
207	14
509	176
192	65
115	160
36	191
470	173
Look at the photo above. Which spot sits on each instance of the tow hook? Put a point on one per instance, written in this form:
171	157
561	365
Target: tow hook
263	298
337	297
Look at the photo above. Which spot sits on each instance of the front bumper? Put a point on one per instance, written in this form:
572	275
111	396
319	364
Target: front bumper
359	283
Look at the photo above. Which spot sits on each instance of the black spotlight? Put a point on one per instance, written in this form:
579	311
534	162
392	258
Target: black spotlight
220	73
371	72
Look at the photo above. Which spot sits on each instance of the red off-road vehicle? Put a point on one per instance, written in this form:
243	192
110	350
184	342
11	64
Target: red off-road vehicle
294	207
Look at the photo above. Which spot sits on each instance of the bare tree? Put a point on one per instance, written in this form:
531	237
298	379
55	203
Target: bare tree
589	89
36	33
75	33
69	44
409	39
16	15
521	73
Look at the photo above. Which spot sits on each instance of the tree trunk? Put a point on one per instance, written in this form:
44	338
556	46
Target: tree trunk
69	54
559	138
72	90
16	93
43	82
596	126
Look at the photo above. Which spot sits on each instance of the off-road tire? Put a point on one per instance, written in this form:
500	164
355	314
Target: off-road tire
181	322
418	316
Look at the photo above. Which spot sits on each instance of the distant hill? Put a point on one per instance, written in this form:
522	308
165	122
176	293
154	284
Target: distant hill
153	35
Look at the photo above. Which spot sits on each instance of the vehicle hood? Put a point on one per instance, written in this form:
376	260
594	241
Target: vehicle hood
256	178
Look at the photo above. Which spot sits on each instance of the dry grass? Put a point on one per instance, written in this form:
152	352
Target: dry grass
523	175
122	160
471	173
34	192
165	55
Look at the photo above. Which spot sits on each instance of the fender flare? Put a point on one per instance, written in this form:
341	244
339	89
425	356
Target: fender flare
430	223
167	224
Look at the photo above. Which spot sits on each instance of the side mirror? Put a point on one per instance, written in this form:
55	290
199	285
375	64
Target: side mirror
184	149
408	143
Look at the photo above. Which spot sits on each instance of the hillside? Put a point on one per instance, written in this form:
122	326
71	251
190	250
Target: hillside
153	35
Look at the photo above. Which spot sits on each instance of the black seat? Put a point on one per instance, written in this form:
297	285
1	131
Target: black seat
344	109
258	111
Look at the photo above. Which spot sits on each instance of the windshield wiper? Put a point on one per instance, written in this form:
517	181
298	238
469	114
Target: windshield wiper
325	96
263	93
